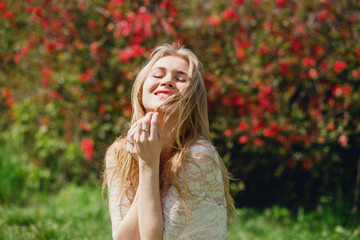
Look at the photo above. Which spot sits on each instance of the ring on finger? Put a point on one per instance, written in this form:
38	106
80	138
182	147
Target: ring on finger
144	130
130	141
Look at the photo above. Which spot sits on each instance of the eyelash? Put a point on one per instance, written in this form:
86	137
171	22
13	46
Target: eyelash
181	80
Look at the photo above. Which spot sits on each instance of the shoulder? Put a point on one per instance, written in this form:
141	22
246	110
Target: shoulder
202	152
201	146
202	158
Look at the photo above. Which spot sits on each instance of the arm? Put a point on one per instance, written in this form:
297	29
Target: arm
145	146
149	205
122	227
129	227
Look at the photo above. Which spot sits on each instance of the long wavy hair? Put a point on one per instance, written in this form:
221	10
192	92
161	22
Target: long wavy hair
188	110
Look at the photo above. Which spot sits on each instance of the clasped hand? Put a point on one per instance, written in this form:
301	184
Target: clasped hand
144	141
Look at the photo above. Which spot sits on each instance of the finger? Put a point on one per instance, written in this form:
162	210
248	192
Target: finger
137	132
131	132
145	125
129	146
154	132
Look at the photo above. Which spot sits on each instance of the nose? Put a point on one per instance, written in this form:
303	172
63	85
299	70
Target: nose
167	81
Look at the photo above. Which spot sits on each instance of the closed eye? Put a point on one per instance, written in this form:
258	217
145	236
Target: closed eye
181	79
157	76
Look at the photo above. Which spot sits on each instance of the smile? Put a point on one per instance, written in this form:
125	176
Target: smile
164	92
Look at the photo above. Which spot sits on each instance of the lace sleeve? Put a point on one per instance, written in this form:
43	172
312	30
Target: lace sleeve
118	204
204	214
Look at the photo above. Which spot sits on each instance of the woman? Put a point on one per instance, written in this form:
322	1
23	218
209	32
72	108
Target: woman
165	178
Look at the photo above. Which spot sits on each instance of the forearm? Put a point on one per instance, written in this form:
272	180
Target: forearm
149	203
129	227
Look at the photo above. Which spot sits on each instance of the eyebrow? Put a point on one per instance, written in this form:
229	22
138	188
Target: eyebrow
177	71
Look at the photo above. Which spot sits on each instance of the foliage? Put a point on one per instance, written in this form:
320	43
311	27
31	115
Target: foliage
19	179
282	78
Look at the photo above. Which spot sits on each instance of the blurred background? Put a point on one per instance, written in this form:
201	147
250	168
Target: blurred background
283	81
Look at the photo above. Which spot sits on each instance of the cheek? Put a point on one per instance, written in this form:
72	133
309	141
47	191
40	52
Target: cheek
182	87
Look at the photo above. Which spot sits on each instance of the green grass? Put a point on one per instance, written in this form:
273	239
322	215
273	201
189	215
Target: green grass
278	223
78	212
73	213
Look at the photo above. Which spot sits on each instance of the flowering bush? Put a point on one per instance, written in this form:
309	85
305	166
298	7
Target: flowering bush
282	77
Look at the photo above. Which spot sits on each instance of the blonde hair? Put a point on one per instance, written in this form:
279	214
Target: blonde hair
190	112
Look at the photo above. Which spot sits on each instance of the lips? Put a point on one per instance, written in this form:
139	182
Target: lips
168	92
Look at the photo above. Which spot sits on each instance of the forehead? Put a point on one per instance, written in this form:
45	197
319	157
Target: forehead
172	63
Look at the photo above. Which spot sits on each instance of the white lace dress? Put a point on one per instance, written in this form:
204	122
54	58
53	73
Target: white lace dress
206	204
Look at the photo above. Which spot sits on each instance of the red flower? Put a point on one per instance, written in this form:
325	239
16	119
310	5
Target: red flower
257	2
239	101
264	49
213	20
6	93
81	5
135	51
280	3
87	147
270	132
319	50
44	121
267	132
341	90
226	101
290	163
94	47
324	65
244	44
17	57
9	15
313	73
228	132
243	126
356	73
125	55
306	164
46	72
343	140
91	24
321	140
55	95
45	82
229	14
323	15
284	66
238	2
308	61
330	102
85	77
307	140
102	109
243	139
300	29
296	44
339	66
331	126
84	125
2	6
258	142
10	102
115	3
357	52
240	53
